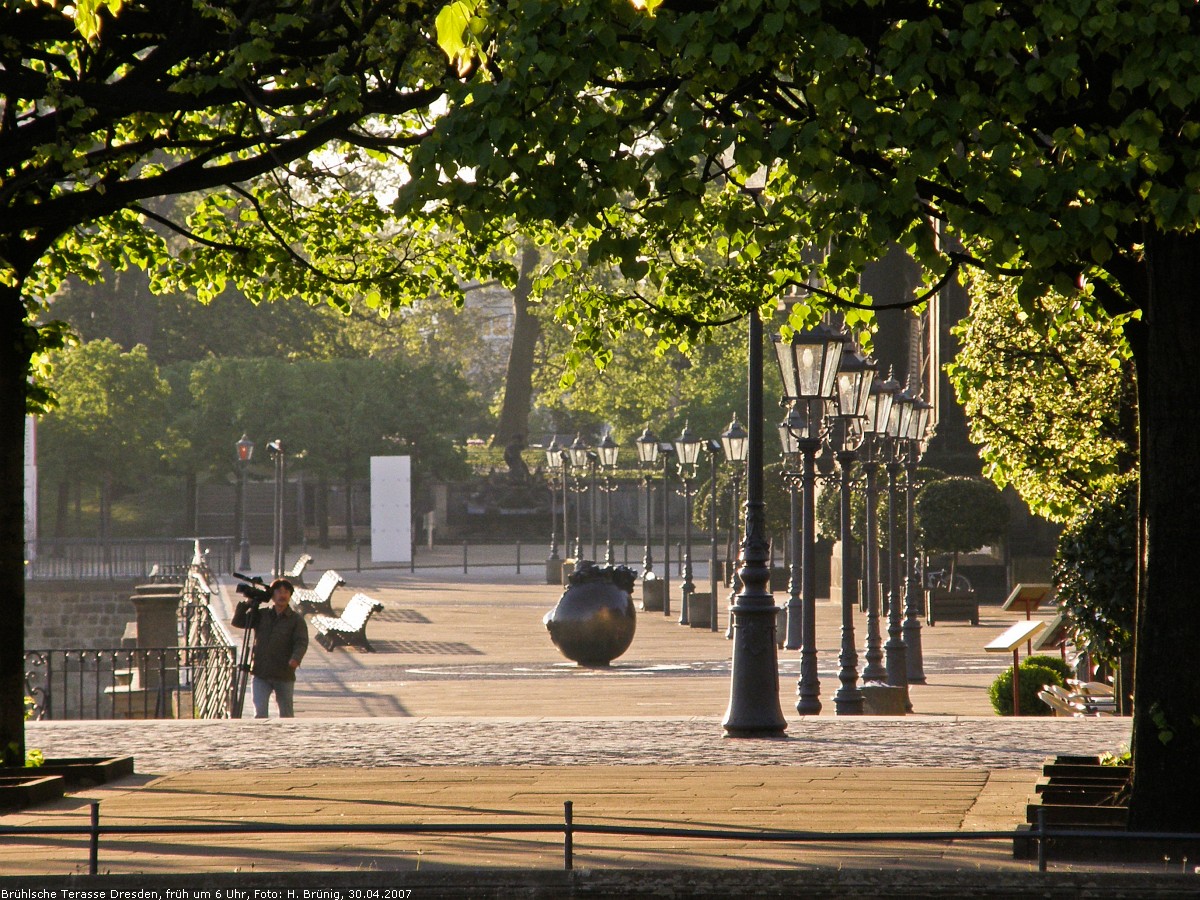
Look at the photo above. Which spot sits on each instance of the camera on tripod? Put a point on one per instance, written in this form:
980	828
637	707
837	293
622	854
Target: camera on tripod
254	589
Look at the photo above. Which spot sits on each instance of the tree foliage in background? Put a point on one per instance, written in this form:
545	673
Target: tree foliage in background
959	515
1048	388
110	427
829	511
1095	572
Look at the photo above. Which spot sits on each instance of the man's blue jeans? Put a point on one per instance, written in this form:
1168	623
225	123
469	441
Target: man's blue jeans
283	691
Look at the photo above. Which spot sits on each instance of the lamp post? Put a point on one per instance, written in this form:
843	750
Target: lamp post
245	452
918	436
754	670
665	452
878	409
809	366
789	429
553	561
577	454
713	448
608	451
275	448
564	467
898	423
593	461
855	377
735	444
647	451
687	452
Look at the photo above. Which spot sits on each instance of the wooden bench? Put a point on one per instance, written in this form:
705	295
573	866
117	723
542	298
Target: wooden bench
296	574
348	628
951	606
317	599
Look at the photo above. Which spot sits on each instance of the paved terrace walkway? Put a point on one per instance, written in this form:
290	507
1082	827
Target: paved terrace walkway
467	713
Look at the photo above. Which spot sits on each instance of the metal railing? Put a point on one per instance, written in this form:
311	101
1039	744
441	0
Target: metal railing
76	559
1039	833
194	680
130	683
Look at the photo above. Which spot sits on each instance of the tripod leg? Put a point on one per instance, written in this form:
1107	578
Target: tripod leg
241	674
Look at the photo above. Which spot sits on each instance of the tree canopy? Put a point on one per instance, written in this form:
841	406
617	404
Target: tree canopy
260	115
1049	395
1057	145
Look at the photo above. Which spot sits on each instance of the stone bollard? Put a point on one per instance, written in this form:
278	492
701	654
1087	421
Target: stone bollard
884	700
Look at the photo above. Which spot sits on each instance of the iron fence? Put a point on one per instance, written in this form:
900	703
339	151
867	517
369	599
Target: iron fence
131	683
1041	836
75	559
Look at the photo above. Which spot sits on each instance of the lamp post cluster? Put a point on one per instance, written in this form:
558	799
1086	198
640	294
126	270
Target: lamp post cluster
686	451
576	468
834	401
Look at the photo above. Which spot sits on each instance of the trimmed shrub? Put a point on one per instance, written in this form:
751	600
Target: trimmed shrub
1033	676
1057	663
1095	572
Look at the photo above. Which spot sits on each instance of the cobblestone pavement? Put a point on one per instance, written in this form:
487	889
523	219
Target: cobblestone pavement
951	742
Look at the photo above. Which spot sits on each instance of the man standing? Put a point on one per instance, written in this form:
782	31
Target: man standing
280	641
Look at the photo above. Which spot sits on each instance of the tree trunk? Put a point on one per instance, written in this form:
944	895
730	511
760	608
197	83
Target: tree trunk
1166	708
518	380
63	509
322	511
349	506
13	362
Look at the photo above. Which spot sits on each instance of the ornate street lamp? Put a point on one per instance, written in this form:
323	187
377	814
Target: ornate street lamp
665	452
789	430
275	448
687	452
735	444
855	377
577	453
875	421
553	464
754	671
647	451
245	452
898	423
809	364
607	451
920	424
593	459
714	459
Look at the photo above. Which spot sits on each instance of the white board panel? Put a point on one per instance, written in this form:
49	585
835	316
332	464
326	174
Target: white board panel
391	509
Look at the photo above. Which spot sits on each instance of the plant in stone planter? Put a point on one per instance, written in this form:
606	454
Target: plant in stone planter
959	515
33	757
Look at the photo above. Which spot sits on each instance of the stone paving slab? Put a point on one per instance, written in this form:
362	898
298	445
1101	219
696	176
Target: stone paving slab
949	742
708	797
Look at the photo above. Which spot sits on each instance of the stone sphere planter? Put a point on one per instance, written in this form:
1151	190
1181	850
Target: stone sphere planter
595	619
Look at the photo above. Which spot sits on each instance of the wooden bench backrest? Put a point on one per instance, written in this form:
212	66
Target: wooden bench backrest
298	569
359	609
328	582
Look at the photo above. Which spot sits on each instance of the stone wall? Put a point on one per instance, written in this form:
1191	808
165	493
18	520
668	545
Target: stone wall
82	614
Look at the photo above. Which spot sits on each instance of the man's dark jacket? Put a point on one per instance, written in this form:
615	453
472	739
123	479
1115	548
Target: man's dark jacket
277	639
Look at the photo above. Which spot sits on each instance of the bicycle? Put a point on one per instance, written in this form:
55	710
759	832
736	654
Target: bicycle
939	579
